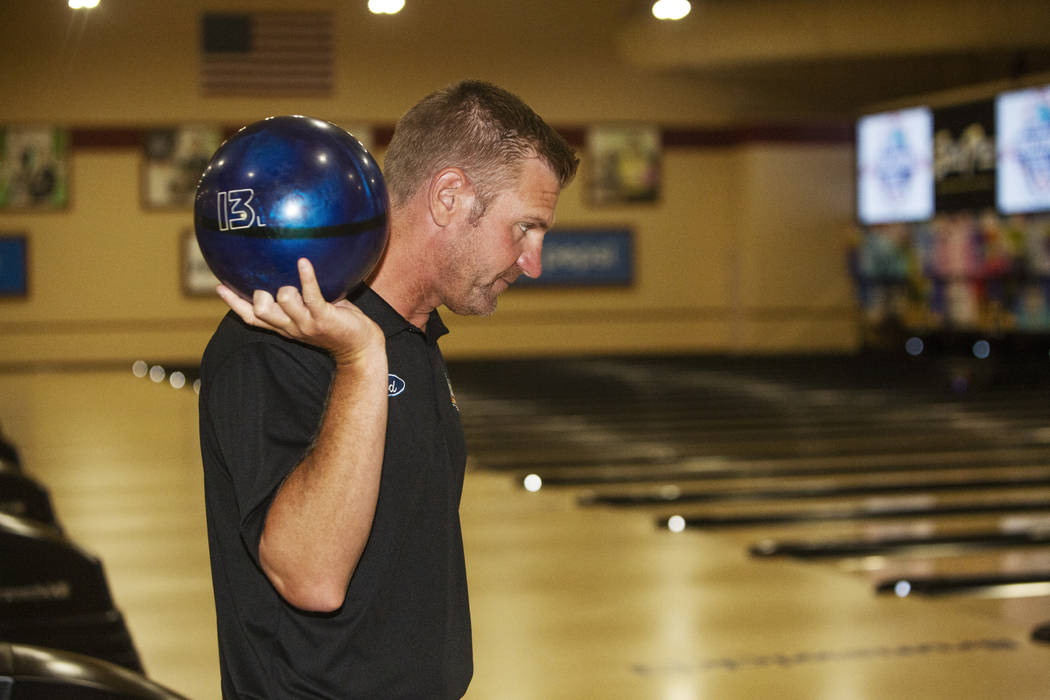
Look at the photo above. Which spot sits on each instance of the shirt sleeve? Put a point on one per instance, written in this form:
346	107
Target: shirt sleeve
265	403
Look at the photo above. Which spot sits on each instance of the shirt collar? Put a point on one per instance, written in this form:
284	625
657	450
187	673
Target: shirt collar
389	320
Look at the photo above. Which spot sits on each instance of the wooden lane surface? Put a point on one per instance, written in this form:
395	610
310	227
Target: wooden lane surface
553	440
500	420
853	482
773	512
1015	606
573	414
568	602
933	564
660	471
642	614
597	446
579	442
911	445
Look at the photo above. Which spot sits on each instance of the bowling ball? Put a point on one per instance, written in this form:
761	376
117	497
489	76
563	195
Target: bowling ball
285	188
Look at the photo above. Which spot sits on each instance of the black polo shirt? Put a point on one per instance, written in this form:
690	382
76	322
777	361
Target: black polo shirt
403	630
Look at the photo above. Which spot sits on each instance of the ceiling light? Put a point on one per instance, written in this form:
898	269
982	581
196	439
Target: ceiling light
385	7
83	4
671	9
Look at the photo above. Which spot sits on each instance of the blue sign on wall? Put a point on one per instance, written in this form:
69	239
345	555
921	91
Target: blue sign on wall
581	257
12	265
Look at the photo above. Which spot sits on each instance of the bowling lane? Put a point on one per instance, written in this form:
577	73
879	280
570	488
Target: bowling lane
601	420
569	601
710	467
572	603
945	564
685	491
774	512
759	453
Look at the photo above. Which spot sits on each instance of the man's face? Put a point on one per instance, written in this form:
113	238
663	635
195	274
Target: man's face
506	242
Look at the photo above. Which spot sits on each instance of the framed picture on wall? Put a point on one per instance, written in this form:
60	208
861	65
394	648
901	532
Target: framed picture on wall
197	278
14	265
623	164
173	160
34	167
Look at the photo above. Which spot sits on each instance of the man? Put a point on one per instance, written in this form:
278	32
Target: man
332	449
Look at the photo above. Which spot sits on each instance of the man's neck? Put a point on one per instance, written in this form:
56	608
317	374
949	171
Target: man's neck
404	289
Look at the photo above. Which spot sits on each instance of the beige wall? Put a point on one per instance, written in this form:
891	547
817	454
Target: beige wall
743	253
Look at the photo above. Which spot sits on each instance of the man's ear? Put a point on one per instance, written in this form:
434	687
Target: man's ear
451	195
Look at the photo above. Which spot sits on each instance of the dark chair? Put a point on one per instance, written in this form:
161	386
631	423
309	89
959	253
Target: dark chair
9	454
23	496
37	673
54	594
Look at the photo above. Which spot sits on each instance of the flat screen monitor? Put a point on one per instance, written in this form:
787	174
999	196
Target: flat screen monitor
1022	137
895	166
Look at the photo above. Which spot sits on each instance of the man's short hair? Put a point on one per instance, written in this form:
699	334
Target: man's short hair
479	127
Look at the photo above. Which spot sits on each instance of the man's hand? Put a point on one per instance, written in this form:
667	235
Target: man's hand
340	328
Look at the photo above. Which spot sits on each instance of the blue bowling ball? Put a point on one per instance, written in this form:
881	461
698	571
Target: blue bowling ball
286	188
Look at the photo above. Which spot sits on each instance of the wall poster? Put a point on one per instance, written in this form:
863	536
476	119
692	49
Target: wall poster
197	278
623	164
174	159
34	167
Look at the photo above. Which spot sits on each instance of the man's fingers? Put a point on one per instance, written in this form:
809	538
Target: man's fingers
293	311
308	281
275	312
241	307
307	308
302	315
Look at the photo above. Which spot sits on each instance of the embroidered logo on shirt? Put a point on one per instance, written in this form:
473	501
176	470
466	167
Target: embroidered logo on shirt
395	385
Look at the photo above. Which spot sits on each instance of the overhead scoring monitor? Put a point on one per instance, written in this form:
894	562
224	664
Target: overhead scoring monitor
895	166
1022	135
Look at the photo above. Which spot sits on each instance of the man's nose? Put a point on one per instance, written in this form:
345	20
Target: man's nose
531	259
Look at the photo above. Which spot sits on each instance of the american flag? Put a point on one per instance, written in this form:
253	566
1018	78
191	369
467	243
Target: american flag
266	54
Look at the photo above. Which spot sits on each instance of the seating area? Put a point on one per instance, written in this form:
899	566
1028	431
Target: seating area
61	633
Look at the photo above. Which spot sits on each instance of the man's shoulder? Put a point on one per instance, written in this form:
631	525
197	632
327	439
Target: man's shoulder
234	338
